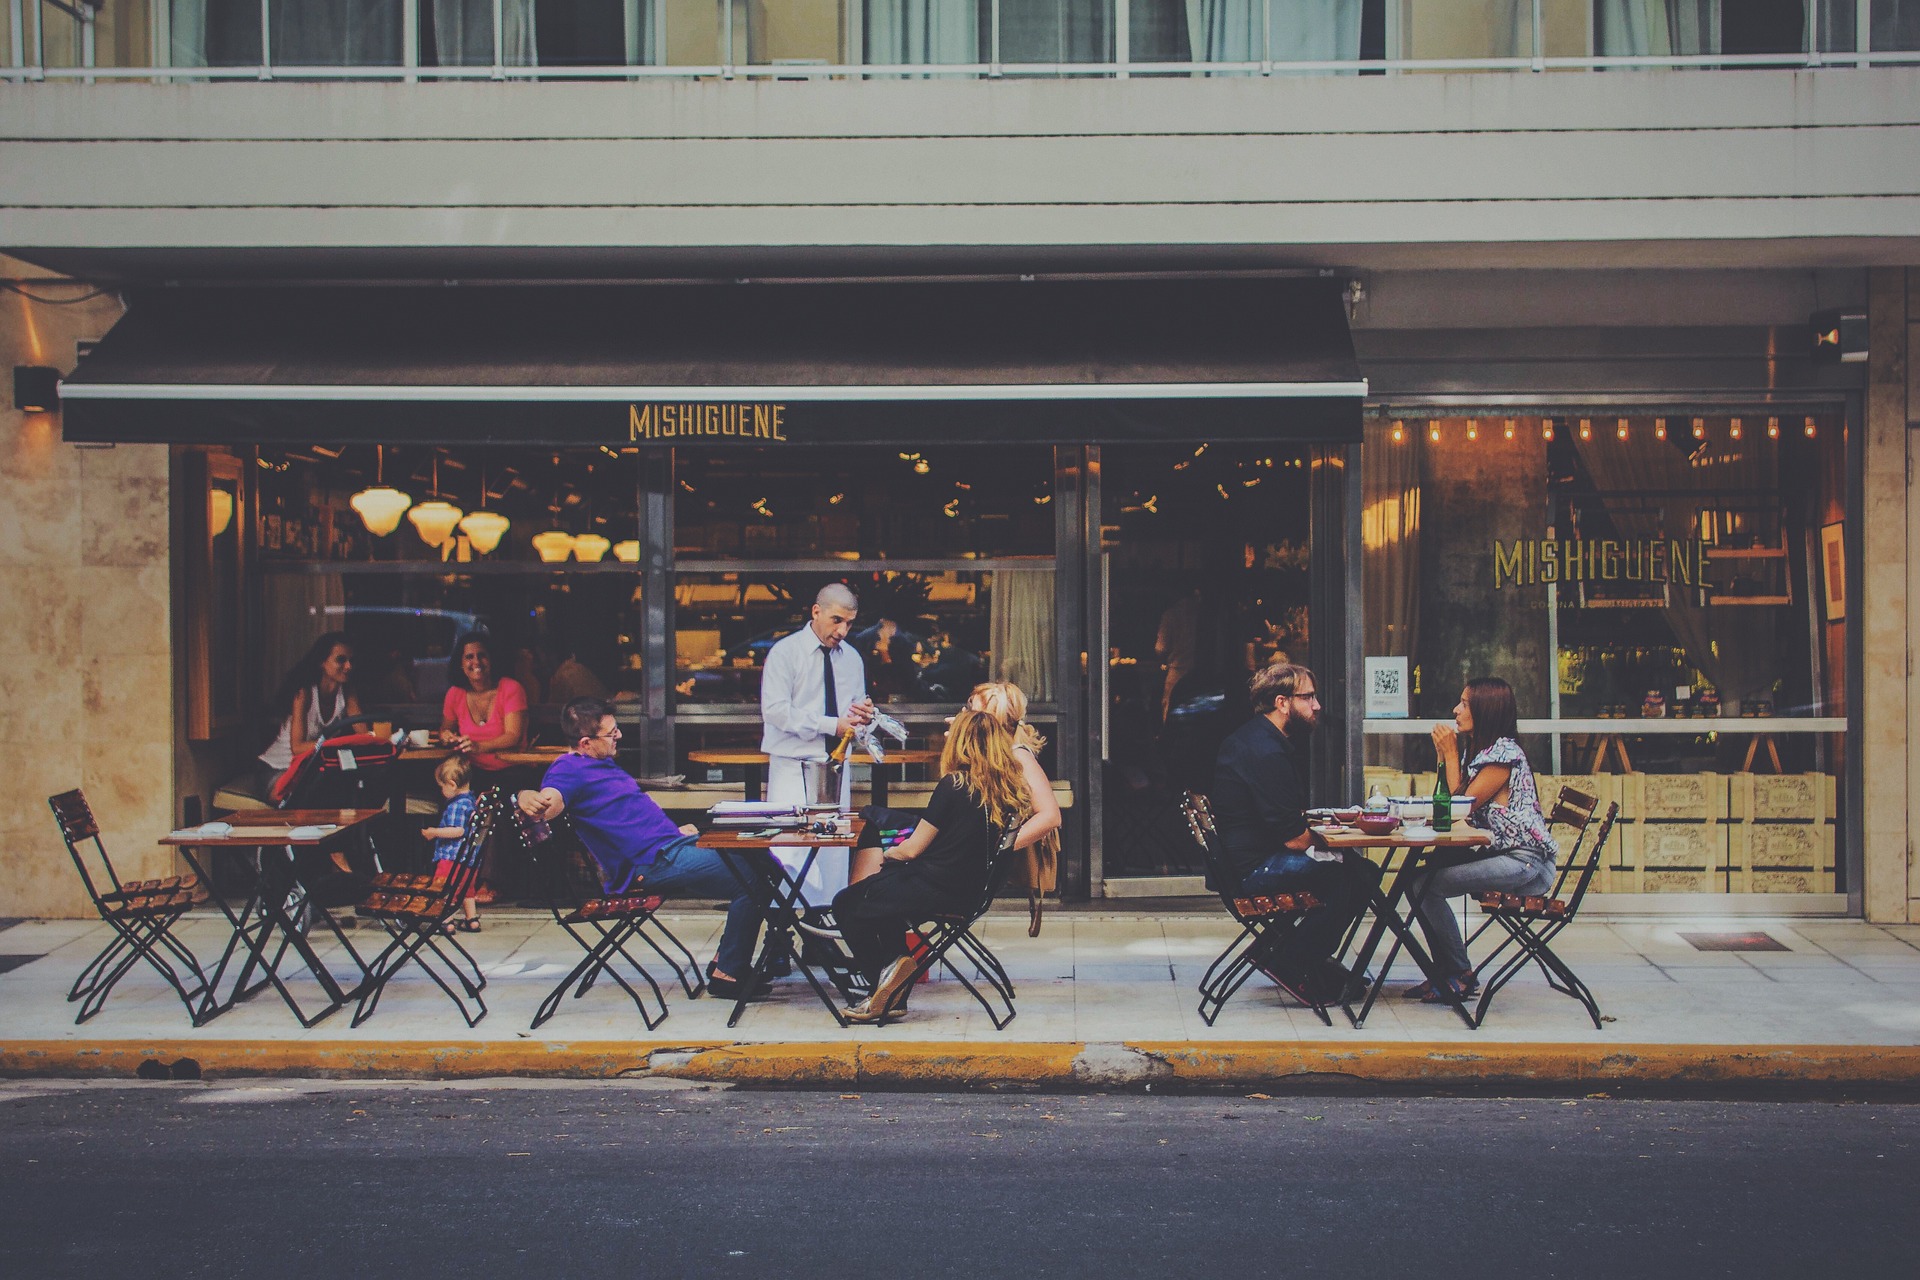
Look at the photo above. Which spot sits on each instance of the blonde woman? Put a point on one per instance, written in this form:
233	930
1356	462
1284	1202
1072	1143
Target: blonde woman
943	865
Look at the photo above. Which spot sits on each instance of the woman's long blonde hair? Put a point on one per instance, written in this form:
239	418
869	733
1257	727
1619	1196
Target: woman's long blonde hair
979	751
1007	703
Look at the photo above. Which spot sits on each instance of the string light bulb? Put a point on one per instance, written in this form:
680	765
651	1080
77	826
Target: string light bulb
1659	428
1586	428
1620	429
1733	428
1399	431
1810	428
1473	428
1508	428
1433	431
1546	428
1773	428
1699	428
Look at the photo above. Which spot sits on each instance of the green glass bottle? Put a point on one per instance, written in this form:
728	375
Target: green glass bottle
1442	801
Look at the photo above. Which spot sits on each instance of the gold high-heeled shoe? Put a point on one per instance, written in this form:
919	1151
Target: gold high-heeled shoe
892	978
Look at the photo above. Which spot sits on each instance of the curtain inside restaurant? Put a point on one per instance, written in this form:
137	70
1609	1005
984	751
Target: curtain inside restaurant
1390	556
1738	656
913	32
1020	625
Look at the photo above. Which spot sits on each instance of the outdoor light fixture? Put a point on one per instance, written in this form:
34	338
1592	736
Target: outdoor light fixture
36	388
1773	428
434	521
1473	428
484	529
1620	429
1659	428
1399	431
380	507
1699	428
590	548
627	552
1810	428
1509	428
1586	428
1433	432
1733	428
553	545
1546	428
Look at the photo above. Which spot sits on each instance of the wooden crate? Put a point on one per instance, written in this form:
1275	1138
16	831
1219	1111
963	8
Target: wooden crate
1394	782
1603	787
1787	797
1661	845
1673	797
1675	880
1784	880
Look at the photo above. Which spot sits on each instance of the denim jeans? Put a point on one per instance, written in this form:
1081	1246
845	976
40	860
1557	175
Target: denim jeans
1507	872
1343	886
685	870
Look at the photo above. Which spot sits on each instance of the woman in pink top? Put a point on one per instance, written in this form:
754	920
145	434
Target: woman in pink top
481	715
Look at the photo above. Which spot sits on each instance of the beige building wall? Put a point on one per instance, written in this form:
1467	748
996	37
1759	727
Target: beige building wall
86	685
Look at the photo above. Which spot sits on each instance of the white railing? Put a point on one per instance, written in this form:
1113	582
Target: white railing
56	40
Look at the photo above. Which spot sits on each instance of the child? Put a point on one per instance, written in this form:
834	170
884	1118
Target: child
453	776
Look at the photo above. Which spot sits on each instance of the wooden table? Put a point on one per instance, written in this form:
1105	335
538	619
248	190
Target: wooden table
754	764
525	756
1461	844
777	891
277	896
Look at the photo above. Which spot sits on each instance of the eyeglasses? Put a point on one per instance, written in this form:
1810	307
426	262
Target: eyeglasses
609	735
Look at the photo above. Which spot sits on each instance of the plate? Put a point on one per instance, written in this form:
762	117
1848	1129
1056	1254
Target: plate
1420	833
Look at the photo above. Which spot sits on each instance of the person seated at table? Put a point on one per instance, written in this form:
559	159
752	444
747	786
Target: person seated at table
1505	804
454	777
479	716
1260	801
636	844
316	691
943	866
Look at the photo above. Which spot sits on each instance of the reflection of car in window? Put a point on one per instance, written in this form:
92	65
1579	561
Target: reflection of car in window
401	652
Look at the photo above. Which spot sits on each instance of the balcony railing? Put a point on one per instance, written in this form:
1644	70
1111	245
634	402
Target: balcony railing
453	40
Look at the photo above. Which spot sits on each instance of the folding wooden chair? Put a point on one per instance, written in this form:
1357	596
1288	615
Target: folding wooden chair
416	914
941	935
1533	922
141	913
603	924
1256	916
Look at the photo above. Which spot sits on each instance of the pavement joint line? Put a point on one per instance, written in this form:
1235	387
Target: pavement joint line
964	1064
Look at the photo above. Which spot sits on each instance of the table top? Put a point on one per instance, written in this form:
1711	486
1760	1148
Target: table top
895	755
254	827
1461	837
526	755
730	839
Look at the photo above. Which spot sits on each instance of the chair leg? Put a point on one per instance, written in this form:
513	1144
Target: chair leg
653	925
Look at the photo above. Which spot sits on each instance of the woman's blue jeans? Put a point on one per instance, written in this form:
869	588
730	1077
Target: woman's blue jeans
1507	872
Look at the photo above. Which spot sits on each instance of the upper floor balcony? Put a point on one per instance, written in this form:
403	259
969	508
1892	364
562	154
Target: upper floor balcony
425	40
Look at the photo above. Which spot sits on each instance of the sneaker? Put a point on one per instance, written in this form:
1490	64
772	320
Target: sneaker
819	929
1289	979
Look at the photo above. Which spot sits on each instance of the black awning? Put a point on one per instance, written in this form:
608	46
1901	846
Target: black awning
1052	361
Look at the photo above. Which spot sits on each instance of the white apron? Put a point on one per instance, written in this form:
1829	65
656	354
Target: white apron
828	874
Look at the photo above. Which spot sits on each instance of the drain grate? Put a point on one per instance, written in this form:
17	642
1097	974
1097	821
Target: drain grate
1755	941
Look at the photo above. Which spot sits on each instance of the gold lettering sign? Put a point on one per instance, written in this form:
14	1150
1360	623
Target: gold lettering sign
1529	562
745	423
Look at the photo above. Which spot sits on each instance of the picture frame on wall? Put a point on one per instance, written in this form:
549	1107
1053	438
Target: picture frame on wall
1833	557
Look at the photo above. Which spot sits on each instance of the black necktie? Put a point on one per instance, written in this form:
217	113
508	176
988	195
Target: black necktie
833	698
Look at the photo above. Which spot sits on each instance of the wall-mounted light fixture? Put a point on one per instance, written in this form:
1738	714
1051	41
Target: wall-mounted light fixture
36	388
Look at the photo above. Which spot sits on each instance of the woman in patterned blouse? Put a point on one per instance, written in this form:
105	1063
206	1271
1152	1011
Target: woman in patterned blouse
1505	805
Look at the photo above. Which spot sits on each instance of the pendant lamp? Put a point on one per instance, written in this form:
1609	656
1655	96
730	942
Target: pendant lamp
553	545
590	548
380	507
628	552
434	520
484	528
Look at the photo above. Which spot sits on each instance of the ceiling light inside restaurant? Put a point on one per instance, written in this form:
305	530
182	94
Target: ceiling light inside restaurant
381	506
219	511
1659	428
627	552
553	545
434	521
484	529
590	548
1399	430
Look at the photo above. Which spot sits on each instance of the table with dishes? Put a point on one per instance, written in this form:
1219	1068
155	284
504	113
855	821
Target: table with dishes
753	766
1403	826
279	896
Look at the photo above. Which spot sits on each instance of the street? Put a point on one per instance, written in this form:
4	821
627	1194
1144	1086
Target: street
337	1179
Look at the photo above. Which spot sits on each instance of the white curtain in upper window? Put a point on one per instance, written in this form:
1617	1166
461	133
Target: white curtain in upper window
918	32
463	33
1654	28
1303	30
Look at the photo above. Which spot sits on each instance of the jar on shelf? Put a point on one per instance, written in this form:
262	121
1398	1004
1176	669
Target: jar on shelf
1654	705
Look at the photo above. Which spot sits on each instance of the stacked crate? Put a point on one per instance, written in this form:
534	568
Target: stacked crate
1782	833
1677	839
1605	789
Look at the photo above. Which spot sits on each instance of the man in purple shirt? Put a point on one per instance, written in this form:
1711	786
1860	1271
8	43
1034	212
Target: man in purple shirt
632	840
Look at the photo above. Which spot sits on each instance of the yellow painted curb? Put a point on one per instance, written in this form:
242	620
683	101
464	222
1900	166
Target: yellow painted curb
959	1064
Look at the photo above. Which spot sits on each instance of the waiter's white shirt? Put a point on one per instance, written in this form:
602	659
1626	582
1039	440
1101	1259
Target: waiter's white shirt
793	695
793	700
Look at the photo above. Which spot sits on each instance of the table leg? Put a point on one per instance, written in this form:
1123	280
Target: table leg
751	775
1388	918
1753	745
778	891
1773	753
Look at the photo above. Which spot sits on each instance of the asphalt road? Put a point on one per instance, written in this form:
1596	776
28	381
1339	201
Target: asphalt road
293	1179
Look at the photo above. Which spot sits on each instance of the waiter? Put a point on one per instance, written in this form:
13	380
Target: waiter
813	692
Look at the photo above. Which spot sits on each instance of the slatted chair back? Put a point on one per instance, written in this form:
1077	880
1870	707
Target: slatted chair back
1198	812
1588	867
1574	809
952	930
78	826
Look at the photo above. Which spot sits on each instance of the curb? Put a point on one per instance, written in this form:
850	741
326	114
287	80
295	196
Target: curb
956	1065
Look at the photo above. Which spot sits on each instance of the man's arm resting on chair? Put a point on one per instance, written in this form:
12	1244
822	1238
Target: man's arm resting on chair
546	803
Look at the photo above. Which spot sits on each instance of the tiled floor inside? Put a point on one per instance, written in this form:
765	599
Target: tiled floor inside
1090	976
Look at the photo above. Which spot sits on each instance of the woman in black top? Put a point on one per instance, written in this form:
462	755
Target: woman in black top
943	865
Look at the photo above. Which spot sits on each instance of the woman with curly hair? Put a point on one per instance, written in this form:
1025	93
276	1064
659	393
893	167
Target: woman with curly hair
943	865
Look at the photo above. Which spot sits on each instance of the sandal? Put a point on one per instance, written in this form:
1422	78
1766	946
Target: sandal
1457	989
468	926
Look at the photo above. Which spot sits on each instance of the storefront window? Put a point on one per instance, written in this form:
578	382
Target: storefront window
1667	597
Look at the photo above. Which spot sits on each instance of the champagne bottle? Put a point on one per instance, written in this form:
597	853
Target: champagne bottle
1442	800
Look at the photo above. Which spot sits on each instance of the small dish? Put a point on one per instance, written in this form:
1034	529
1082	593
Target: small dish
1376	824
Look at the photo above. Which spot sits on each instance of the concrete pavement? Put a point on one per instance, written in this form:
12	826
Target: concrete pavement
1105	998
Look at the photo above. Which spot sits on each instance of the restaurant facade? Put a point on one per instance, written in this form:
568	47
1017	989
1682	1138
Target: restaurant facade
1120	402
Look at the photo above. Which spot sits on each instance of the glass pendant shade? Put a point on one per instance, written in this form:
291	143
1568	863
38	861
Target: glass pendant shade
627	552
434	521
219	511
380	508
553	545
484	529
590	548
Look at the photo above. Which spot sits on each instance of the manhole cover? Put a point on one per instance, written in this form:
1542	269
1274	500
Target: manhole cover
1735	942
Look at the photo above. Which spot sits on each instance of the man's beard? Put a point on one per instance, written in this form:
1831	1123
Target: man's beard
1298	726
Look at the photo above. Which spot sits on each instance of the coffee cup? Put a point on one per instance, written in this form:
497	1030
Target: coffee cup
420	738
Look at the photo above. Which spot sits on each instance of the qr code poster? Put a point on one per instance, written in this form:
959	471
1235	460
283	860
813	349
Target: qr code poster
1386	688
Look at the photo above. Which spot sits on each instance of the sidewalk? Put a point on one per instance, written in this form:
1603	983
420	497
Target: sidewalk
1106	999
